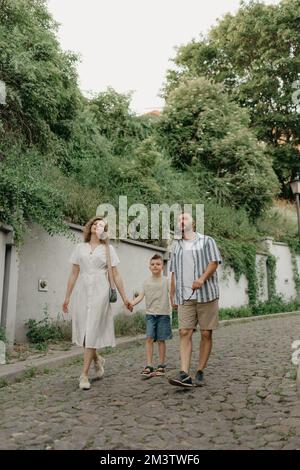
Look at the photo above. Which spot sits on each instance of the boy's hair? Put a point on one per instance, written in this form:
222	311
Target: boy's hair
156	256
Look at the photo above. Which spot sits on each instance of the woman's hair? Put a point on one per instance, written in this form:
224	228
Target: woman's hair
88	226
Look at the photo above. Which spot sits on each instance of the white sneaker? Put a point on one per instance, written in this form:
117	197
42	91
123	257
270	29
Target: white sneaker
84	383
99	367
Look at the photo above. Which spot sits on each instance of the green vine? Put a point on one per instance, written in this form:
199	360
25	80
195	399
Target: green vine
271	268
241	257
296	276
294	247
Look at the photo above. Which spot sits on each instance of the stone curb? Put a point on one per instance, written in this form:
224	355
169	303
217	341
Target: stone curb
11	372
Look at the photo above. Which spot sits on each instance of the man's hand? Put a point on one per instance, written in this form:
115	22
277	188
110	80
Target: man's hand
198	283
174	306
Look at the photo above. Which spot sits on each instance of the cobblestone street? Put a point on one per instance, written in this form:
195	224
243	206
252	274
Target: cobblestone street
249	401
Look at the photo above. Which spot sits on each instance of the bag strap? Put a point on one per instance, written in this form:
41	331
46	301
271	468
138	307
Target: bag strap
109	267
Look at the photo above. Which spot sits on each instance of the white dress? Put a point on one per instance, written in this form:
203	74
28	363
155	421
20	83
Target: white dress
92	318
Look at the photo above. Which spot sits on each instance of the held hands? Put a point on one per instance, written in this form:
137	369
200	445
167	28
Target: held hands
128	305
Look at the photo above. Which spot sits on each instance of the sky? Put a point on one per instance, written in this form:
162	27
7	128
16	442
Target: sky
128	44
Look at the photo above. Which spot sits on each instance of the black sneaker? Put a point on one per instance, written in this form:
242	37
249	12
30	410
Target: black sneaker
199	378
182	380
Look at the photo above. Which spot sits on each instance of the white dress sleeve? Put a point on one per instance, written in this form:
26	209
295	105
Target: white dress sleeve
74	258
113	256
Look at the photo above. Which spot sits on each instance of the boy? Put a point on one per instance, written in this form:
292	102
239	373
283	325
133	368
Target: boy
158	316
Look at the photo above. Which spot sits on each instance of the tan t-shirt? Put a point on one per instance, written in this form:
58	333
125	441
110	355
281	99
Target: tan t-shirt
156	290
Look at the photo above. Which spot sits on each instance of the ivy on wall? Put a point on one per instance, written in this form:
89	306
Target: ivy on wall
241	257
294	247
271	269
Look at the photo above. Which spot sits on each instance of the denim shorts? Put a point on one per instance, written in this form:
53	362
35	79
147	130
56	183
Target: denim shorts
158	327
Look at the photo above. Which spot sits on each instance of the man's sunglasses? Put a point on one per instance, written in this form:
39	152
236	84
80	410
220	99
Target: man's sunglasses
193	290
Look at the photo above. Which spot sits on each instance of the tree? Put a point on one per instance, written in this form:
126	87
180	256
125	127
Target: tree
117	122
41	80
256	55
42	101
202	129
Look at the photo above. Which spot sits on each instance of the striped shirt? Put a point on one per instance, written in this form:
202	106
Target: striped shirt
204	251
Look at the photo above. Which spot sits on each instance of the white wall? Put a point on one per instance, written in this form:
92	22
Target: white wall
284	283
46	257
232	293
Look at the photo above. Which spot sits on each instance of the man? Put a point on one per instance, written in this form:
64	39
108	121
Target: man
195	292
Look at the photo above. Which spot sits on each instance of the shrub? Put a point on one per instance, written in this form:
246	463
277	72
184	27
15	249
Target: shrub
130	325
2	334
276	305
46	330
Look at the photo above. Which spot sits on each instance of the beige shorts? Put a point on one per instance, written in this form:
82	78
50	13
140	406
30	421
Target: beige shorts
205	314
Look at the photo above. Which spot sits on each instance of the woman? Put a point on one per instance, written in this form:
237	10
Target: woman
92	319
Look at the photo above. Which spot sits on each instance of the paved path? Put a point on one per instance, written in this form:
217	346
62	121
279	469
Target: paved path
249	401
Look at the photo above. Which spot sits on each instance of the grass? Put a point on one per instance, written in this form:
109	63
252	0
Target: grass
277	305
3	383
130	325
30	372
136	324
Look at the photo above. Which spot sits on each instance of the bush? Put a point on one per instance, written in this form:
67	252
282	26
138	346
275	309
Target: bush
2	334
276	305
130	325
46	330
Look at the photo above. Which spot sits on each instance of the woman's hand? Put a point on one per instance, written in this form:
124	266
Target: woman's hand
65	305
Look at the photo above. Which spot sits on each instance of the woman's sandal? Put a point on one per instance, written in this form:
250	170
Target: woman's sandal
160	370
148	372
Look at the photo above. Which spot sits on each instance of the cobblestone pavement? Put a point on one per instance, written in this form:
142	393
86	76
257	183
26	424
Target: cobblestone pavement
249	401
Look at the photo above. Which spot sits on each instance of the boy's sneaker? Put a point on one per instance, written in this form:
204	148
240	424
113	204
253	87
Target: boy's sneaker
199	378
182	380
148	372
160	370
84	383
99	367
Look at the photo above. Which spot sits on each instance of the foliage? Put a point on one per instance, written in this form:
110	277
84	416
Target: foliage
276	305
2	334
116	121
130	325
255	54
41	80
201	126
294	246
271	268
61	155
43	331
26	196
241	257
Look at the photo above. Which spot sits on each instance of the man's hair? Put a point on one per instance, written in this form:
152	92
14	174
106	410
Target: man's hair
156	256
